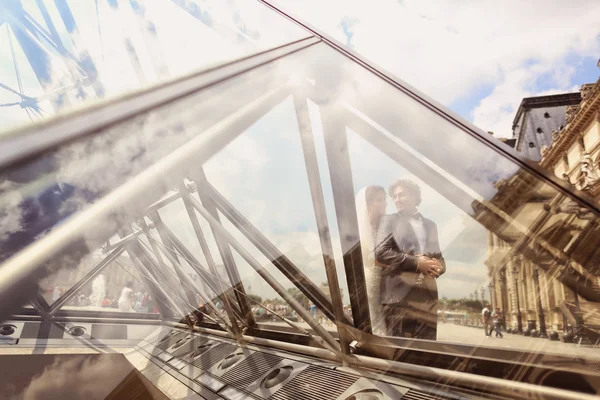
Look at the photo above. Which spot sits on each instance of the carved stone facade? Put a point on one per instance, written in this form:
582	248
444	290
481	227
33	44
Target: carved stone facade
564	281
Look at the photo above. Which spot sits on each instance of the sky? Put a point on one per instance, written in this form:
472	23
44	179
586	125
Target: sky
478	58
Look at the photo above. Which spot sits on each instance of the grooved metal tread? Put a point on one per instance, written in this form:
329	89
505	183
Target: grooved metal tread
189	347
315	383
170	340
250	369
213	356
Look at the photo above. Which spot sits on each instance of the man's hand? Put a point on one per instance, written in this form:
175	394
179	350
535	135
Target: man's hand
429	266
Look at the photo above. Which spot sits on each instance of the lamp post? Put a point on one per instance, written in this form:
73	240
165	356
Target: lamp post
519	322
491	288
503	304
541	317
482	291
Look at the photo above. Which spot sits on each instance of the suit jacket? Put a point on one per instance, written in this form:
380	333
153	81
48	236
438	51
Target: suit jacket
396	250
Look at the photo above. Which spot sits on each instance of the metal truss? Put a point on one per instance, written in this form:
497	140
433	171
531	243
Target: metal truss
160	257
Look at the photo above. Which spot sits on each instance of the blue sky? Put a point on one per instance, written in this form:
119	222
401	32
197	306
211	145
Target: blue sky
585	71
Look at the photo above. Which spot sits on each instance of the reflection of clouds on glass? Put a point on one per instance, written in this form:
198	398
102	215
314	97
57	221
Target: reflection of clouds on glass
78	377
10	212
262	173
183	37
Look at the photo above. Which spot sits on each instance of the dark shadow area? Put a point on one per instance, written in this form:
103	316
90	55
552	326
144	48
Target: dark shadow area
62	376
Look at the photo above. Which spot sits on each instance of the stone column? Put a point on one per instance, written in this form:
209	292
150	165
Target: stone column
517	297
504	303
540	310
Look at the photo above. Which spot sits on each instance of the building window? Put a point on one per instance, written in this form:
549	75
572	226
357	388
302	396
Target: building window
531	144
546	115
539	130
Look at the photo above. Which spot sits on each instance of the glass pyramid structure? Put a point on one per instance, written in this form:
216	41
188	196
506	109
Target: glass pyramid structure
226	190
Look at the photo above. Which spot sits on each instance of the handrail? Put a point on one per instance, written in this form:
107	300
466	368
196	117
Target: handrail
32	139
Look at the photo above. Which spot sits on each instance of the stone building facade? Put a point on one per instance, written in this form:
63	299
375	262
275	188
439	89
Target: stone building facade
550	276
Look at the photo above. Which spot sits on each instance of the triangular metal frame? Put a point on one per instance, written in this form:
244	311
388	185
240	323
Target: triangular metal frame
104	116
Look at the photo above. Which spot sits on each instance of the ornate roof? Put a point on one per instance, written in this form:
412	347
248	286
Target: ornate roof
577	117
536	119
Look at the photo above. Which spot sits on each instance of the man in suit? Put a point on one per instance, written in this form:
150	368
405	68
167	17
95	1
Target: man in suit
409	253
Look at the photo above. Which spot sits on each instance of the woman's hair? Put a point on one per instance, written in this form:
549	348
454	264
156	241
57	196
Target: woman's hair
372	191
129	284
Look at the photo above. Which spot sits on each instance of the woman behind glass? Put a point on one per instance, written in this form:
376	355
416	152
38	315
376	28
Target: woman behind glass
370	207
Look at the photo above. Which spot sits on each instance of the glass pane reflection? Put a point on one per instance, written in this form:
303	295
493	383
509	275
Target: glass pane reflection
105	49
488	230
507	238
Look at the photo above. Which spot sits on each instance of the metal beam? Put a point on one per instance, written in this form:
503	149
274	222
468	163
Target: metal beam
143	264
50	24
168	248
40	304
225	252
160	275
208	256
34	139
19	273
38	57
477	133
187	281
409	161
86	63
173	240
316	191
340	172
329	341
279	260
72	291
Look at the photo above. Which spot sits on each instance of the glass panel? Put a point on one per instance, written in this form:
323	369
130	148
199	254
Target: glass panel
178	223
118	287
272	189
44	192
500	230
108	48
487	228
261	294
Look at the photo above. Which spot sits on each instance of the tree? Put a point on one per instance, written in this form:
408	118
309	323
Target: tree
256	299
299	297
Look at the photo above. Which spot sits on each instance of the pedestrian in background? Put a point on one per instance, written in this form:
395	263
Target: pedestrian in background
497	320
486	316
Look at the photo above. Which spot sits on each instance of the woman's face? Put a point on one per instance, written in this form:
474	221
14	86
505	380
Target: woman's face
378	205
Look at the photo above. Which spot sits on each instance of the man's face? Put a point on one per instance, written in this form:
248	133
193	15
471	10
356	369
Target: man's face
404	200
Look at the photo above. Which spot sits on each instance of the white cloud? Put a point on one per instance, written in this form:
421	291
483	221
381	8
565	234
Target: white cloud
449	48
496	112
95	377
